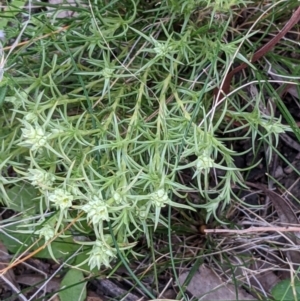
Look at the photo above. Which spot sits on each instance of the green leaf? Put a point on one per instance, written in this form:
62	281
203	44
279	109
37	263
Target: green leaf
288	116
82	257
3	90
23	198
18	242
76	286
245	60
11	9
283	291
61	248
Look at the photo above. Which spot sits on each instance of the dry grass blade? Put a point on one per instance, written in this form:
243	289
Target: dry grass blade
23	257
284	211
254	230
259	53
286	215
9	277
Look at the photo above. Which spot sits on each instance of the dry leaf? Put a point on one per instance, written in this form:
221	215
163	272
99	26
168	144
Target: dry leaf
207	285
39	280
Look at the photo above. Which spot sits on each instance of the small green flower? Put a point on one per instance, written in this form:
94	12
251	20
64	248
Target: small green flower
107	73
61	198
34	137
117	197
40	178
161	49
275	128
160	198
47	232
142	212
204	162
18	99
212	207
96	209
101	254
31	117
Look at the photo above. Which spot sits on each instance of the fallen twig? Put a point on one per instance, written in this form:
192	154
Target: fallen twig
254	229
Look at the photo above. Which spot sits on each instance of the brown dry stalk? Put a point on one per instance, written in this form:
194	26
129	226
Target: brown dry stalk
21	259
37	38
254	229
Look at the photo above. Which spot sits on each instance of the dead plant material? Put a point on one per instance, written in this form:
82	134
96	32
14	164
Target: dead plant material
286	215
282	207
254	230
24	256
225	88
213	287
287	218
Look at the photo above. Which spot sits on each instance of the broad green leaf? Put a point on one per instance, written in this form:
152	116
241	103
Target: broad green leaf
75	286
23	198
283	291
82	257
11	9
18	242
61	248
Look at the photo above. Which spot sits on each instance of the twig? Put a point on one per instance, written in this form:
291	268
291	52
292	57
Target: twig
13	287
254	229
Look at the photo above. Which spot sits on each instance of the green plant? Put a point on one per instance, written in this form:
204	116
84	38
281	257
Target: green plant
101	116
286	290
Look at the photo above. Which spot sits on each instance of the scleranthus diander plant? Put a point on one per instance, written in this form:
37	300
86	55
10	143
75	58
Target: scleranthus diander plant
99	122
